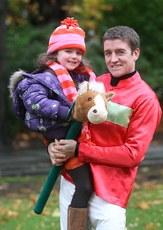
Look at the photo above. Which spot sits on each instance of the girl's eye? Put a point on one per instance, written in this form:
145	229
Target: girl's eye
79	53
89	99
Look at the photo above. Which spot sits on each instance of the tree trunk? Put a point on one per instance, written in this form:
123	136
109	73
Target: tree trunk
3	77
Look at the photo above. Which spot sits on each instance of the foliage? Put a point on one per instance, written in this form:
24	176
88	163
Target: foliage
36	12
25	43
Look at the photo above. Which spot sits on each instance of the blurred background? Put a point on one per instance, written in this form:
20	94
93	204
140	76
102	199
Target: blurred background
25	27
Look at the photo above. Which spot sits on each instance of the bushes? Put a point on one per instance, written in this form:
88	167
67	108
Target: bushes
24	44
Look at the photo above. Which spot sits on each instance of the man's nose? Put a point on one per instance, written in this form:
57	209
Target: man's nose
114	57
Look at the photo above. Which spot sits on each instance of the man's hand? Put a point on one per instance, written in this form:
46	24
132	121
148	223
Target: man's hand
67	147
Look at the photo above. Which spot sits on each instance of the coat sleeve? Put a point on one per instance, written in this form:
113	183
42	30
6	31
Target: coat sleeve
143	124
36	101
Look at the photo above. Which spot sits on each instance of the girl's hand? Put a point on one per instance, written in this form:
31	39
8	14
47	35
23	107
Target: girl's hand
56	157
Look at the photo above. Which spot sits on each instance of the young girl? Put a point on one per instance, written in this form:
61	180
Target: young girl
43	99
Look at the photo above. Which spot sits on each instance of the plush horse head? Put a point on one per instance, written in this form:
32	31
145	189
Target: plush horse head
91	103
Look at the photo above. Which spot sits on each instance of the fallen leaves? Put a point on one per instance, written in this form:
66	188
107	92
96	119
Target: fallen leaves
145	205
12	214
4	186
6	214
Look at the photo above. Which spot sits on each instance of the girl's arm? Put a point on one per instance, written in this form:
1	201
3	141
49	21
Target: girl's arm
37	102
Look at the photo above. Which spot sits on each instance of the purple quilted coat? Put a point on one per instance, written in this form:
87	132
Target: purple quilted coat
38	99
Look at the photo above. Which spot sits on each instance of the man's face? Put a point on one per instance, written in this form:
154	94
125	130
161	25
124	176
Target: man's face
119	58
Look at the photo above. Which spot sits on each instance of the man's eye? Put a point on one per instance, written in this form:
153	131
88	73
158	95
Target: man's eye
120	52
107	54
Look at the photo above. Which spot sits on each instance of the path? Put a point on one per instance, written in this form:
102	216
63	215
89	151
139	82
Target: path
36	161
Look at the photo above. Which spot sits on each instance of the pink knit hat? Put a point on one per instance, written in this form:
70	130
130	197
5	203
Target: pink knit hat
67	35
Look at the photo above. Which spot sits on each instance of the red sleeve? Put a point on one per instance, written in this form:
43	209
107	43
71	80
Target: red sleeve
143	124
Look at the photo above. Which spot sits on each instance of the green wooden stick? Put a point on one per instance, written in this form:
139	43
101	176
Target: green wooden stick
73	133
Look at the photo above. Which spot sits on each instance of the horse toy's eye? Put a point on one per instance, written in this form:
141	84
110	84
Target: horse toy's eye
89	98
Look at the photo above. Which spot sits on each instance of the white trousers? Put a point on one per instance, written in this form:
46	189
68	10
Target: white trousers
102	215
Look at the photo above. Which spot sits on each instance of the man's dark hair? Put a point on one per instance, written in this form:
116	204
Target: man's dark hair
123	33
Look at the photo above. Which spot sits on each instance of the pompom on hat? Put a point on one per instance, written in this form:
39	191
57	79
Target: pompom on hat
67	35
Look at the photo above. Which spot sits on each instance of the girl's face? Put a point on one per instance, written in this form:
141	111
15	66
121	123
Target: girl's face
69	58
119	58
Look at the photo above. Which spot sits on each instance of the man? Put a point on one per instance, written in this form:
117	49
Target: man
121	142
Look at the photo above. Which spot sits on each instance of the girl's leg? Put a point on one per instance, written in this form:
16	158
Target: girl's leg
67	190
78	209
83	181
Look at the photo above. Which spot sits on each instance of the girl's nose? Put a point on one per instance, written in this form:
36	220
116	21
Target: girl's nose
74	54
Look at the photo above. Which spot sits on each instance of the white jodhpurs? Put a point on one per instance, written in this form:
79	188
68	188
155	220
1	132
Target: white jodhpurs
102	215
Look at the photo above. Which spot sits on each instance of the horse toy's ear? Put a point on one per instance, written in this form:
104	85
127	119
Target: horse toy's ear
83	88
109	95
91	103
93	85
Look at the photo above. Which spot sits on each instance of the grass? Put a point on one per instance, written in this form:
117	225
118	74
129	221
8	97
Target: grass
19	194
16	205
145	210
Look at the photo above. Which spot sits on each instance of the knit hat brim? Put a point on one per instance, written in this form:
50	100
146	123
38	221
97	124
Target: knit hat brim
60	42
67	35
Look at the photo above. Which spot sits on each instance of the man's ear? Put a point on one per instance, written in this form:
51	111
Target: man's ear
136	54
109	95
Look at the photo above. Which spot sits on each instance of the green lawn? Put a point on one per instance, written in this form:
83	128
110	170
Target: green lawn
17	203
145	210
18	196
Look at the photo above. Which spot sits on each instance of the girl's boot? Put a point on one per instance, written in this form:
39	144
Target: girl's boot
77	218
